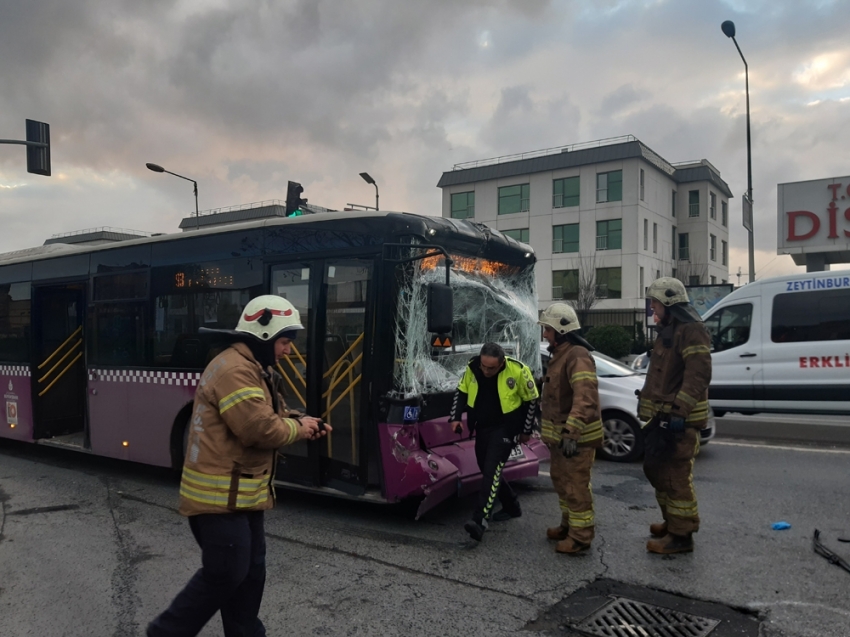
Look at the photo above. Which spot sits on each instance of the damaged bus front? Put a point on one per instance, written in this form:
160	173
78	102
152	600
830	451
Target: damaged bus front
492	299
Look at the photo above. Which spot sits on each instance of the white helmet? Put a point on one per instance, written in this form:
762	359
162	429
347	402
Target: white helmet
267	317
667	291
560	317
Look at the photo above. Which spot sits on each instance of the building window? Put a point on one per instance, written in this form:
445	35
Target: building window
712	280
655	238
609	234
609	283
565	238
724	247
520	234
641	185
658	274
712	208
673	203
565	285
513	199
712	247
693	203
641	289
724	213
609	186
684	253
673	246
646	234
463	205
693	279
565	192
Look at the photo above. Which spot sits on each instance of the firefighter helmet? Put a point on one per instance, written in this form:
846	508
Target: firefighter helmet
267	317
667	291
560	317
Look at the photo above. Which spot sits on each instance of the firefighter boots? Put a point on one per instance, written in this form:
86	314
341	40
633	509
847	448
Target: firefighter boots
658	529
571	546
557	532
671	544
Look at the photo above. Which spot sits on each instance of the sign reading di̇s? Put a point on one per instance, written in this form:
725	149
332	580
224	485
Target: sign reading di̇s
814	218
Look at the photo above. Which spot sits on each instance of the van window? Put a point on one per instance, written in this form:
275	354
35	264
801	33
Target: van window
730	327
823	315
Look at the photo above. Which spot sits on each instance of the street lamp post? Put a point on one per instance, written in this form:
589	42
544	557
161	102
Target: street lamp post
159	169
728	28
368	179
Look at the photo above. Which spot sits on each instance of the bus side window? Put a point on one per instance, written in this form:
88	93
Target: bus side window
730	327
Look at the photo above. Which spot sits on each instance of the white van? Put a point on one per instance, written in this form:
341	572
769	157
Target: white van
783	345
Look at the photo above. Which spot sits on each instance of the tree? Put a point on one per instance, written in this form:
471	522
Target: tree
587	294
613	340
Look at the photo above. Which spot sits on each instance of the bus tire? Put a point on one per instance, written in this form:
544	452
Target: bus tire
179	431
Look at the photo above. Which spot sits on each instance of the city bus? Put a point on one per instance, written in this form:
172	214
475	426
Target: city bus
101	348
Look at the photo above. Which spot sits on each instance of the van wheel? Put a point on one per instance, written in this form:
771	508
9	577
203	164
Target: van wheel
623	438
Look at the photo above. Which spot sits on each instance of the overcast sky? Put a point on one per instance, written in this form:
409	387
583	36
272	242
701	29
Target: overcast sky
244	95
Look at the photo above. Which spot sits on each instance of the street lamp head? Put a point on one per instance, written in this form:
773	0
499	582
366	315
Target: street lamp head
728	29
155	168
367	178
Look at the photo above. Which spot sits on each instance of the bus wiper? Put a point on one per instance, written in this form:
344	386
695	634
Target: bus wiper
832	558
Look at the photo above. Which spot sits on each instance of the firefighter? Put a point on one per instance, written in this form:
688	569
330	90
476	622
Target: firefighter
674	401
571	426
500	396
238	423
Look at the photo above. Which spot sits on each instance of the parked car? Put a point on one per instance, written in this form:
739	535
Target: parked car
623	440
641	363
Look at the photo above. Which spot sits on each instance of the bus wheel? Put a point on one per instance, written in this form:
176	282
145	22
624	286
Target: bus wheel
180	437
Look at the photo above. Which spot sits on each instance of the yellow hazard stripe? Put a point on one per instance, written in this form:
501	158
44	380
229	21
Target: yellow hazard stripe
695	349
220	498
581	520
592	431
222	482
580	376
548	432
685	398
682	508
246	393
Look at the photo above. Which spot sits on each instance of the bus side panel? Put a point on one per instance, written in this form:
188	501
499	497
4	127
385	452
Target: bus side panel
131	412
16	422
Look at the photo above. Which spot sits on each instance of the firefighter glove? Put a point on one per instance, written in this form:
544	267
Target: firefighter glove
676	425
568	447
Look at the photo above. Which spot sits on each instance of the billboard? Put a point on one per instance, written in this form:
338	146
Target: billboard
813	217
705	297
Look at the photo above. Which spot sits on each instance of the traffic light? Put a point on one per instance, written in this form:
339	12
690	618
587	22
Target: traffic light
38	157
293	198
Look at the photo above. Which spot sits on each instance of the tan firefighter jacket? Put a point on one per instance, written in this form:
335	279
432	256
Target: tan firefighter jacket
234	433
679	374
570	398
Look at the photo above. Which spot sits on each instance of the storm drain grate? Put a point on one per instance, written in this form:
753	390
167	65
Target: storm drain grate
624	617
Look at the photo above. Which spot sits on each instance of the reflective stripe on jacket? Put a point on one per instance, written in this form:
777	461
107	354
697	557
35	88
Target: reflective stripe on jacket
678	376
233	437
570	397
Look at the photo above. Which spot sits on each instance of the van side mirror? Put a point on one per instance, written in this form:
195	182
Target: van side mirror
440	308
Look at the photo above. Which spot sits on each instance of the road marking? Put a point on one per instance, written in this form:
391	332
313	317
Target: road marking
716	442
544	473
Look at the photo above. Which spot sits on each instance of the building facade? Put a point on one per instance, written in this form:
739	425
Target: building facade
604	218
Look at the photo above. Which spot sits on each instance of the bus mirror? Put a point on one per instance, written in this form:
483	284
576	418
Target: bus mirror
440	308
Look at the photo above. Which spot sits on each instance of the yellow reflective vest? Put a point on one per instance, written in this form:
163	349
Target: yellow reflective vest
234	433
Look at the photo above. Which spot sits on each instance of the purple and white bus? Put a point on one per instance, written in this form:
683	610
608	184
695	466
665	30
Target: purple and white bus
100	350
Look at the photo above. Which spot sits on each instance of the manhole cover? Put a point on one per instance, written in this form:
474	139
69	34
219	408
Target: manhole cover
623	617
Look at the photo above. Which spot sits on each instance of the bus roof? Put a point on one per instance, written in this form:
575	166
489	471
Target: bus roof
425	225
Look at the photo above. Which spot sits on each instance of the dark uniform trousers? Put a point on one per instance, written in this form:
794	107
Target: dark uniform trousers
493	446
672	476
231	579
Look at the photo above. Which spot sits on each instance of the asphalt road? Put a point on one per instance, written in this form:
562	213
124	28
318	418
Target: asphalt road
831	430
93	548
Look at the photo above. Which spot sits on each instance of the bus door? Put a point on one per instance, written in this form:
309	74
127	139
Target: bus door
58	367
324	372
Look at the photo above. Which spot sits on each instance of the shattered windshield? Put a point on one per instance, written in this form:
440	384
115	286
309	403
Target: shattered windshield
493	302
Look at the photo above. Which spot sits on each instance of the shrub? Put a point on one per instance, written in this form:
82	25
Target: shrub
613	340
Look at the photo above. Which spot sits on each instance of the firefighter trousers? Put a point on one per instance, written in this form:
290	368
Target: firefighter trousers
571	479
672	476
231	579
493	446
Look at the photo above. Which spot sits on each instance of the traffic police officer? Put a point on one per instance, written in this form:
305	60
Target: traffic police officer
571	426
500	396
238	423
674	400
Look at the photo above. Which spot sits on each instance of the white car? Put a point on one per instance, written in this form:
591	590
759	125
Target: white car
617	384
